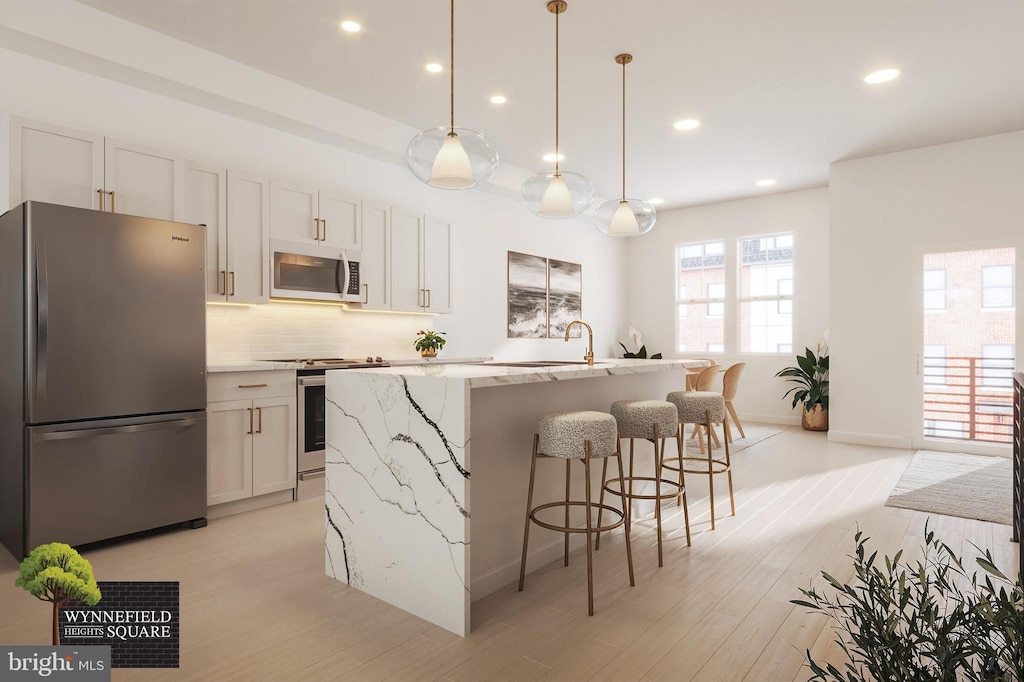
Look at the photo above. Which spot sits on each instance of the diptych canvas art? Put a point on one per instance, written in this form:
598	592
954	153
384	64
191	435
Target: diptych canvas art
544	296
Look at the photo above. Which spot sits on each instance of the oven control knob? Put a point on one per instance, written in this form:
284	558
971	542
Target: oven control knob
369	358
378	359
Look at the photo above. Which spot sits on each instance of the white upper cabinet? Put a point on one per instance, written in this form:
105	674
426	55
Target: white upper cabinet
53	164
73	168
437	264
206	204
143	181
406	260
307	215
293	213
375	266
248	265
340	220
421	262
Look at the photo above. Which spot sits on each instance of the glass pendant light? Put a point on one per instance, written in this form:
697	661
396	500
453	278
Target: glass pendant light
450	157
558	194
624	217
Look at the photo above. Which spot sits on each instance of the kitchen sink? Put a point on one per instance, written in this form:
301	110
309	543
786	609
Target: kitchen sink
538	363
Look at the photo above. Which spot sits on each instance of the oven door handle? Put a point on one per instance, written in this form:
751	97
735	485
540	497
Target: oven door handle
313	381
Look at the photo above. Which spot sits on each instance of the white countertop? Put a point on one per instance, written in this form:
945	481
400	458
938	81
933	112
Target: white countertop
486	375
270	365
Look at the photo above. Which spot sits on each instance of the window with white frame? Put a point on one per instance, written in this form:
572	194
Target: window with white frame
765	293
935	289
997	365
934	364
700	296
997	286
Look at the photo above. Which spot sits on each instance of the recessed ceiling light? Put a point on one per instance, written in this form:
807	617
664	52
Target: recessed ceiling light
882	76
656	201
551	158
350	26
434	67
766	182
498	99
686	124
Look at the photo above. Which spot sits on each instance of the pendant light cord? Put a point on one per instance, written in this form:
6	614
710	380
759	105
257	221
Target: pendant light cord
452	65
623	130
556	93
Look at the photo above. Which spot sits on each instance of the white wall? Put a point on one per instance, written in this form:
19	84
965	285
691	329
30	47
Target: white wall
651	283
487	224
885	212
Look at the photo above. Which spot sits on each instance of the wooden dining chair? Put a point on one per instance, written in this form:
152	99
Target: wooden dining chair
731	382
693	372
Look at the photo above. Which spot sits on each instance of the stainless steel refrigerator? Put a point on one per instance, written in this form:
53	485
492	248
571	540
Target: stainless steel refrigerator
102	375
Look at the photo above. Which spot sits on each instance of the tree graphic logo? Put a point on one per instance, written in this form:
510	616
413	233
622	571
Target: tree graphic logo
58	574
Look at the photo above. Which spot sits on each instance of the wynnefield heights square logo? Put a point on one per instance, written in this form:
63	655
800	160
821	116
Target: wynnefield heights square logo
139	621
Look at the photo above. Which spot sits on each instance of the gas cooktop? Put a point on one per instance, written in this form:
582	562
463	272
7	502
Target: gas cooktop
340	363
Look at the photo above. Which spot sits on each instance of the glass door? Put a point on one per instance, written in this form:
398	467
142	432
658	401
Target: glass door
967	354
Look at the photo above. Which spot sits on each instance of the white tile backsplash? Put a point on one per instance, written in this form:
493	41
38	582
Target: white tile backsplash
293	330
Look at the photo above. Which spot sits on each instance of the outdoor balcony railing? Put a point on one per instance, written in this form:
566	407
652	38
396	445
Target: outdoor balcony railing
968	398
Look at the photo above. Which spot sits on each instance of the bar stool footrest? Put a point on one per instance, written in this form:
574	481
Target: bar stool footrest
674	485
719	466
618	523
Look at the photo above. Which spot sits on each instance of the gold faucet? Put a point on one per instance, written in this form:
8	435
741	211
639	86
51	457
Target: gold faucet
589	357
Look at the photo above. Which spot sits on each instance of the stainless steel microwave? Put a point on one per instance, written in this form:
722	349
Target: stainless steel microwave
314	273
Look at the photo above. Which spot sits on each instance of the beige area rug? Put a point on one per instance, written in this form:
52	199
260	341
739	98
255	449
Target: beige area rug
755	434
956	484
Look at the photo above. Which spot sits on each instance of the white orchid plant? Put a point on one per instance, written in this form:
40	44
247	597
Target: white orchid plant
638	343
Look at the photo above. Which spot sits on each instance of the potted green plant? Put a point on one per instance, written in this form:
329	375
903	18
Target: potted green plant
429	342
811	390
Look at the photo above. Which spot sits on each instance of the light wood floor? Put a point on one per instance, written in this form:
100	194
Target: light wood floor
257	606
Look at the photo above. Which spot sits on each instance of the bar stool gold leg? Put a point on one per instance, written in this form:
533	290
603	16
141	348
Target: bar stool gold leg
590	546
529	506
681	450
600	503
568	479
728	465
711	477
658	456
625	511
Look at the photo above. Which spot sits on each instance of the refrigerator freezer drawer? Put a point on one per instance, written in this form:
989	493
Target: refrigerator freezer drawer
98	480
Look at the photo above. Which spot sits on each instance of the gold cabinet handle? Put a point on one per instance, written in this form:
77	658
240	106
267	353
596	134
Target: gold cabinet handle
316	226
232	273
252	385
113	205
323	221
223	282
100	192
250	420
366	293
259	415
428	298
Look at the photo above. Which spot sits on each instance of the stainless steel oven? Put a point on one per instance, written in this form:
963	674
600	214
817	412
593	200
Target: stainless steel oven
311	385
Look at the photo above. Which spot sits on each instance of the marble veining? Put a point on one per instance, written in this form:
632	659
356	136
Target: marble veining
397	484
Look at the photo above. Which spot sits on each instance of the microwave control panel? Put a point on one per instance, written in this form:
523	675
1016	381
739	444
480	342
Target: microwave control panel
353	277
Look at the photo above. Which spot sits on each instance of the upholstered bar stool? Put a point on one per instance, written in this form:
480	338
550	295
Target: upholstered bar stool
655	421
578	436
705	408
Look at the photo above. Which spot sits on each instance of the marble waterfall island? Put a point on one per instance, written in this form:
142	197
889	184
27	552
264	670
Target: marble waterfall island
399	513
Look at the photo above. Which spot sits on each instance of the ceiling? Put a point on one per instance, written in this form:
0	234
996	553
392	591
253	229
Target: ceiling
778	86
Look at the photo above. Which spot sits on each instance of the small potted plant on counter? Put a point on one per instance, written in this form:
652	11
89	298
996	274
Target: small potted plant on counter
429	342
811	390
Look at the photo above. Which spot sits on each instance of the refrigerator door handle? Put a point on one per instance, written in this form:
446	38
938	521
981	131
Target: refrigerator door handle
42	319
112	430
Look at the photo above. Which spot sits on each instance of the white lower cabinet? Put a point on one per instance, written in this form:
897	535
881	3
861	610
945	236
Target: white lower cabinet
251	446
